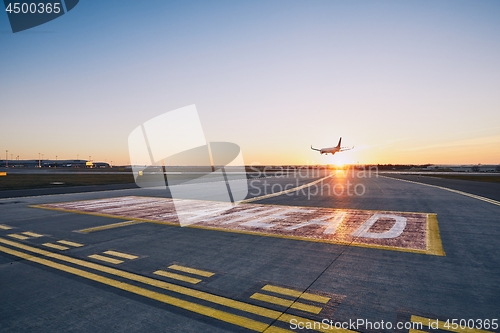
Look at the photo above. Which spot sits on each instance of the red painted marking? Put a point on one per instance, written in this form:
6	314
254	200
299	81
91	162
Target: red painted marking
398	230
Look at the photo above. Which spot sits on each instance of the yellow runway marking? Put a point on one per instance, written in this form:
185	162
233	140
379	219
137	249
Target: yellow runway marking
107	259
295	189
55	246
121	255
296	293
110	226
65	242
416	331
31	234
286	303
434	244
224	301
18	236
191	270
186	305
426	322
5	227
177	276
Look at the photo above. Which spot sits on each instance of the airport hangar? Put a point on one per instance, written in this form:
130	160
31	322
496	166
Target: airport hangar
52	164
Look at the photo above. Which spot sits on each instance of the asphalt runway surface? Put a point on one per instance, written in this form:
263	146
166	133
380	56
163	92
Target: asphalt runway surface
303	253
485	189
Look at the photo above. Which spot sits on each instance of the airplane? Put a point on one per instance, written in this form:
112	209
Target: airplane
332	150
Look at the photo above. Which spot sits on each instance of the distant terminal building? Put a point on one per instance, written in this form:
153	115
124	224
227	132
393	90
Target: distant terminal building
52	164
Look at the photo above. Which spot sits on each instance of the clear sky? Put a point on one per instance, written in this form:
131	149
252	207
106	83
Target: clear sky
402	81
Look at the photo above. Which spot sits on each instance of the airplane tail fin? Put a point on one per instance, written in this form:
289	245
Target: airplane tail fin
340	140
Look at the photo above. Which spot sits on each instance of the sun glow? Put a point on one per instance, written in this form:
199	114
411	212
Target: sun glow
340	160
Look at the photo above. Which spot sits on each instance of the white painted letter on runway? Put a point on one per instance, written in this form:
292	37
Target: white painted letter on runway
394	232
331	223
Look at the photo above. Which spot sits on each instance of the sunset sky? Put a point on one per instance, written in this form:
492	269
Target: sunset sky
402	81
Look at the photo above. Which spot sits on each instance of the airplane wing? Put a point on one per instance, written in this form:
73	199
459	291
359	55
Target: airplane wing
346	148
315	148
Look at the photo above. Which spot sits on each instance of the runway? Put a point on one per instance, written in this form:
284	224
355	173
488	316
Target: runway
327	252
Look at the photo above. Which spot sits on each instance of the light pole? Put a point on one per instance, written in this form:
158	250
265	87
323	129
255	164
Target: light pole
39	161
6	158
55	166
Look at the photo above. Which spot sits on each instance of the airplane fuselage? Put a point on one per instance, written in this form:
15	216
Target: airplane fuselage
331	150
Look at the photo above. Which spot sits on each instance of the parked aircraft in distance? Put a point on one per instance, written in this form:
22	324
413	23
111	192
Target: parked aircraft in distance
332	150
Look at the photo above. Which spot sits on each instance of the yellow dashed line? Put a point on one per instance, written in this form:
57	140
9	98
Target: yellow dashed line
18	236
107	259
121	255
65	242
153	282
5	227
286	303
191	270
31	234
55	246
177	276
224	301
186	305
110	226
296	293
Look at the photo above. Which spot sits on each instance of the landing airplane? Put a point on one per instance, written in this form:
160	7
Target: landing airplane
332	150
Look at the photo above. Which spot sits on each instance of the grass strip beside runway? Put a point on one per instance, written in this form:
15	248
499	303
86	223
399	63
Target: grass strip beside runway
32	181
